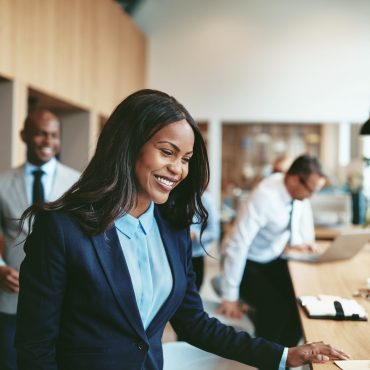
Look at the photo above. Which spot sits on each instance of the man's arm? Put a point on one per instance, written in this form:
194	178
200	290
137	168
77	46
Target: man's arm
236	246
303	237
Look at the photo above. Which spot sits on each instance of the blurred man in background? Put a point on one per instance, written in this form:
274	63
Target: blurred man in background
253	268
42	178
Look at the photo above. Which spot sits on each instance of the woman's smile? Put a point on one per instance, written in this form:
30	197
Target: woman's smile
163	163
165	182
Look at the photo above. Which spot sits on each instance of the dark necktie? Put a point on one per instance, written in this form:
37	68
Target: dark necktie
290	222
38	188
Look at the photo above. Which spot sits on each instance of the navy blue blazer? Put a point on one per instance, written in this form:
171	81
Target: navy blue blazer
77	308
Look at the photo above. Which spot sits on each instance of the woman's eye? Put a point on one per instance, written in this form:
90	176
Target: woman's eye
166	152
186	159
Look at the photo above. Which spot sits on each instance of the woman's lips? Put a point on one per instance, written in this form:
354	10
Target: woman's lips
165	182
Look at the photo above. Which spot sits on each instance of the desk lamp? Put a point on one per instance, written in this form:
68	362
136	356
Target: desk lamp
365	129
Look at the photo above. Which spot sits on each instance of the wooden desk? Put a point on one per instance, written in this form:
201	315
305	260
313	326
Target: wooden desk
335	278
323	233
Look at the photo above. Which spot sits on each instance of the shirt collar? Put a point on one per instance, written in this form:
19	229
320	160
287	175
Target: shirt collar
287	198
48	167
128	224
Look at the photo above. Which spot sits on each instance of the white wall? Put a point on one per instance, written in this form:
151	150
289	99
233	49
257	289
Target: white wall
262	59
268	60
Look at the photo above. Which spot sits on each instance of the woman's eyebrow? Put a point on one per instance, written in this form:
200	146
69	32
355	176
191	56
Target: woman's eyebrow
173	145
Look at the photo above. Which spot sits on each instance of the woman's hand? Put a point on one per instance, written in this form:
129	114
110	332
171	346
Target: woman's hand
318	352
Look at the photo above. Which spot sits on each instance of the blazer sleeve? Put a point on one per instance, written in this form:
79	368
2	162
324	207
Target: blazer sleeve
194	325
42	287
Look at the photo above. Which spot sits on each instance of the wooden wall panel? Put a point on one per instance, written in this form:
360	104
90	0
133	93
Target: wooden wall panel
7	56
88	52
107	78
133	57
66	43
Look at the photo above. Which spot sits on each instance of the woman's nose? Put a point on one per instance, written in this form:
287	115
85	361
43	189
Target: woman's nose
175	167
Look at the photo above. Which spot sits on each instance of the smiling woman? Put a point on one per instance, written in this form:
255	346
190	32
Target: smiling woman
162	164
109	263
109	187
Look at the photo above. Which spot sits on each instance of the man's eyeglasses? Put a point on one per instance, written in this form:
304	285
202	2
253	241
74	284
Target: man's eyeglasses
305	185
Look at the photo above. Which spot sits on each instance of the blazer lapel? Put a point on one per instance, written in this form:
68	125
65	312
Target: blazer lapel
60	183
114	264
20	189
169	242
58	186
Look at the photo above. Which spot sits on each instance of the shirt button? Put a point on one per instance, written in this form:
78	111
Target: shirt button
141	346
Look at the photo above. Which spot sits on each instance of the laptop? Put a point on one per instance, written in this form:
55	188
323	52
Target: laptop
345	246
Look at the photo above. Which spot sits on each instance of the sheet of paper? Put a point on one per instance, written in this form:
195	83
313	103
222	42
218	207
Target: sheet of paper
353	364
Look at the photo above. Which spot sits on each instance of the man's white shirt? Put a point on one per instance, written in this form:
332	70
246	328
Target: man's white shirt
262	230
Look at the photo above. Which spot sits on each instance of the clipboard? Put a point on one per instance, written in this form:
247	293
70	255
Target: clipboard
332	308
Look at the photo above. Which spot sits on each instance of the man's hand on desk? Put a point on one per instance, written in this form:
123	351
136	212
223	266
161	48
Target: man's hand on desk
233	309
309	247
315	352
9	279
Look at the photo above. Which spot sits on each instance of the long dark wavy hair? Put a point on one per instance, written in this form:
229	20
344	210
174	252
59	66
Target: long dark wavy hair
108	188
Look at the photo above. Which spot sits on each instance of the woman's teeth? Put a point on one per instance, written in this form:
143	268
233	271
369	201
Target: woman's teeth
165	181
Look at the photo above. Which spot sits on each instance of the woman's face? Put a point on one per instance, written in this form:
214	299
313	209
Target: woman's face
162	164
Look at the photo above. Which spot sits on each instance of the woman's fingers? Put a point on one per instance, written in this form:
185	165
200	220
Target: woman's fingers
325	352
316	352
322	358
333	353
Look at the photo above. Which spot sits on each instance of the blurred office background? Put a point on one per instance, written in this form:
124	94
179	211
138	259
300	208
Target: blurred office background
262	77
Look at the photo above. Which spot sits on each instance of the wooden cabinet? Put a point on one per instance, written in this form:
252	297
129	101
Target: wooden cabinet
248	150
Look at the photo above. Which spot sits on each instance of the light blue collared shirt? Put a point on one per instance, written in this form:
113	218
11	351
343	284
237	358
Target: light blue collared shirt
284	357
47	178
148	265
147	262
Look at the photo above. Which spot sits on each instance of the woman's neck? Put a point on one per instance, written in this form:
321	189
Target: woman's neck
139	208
